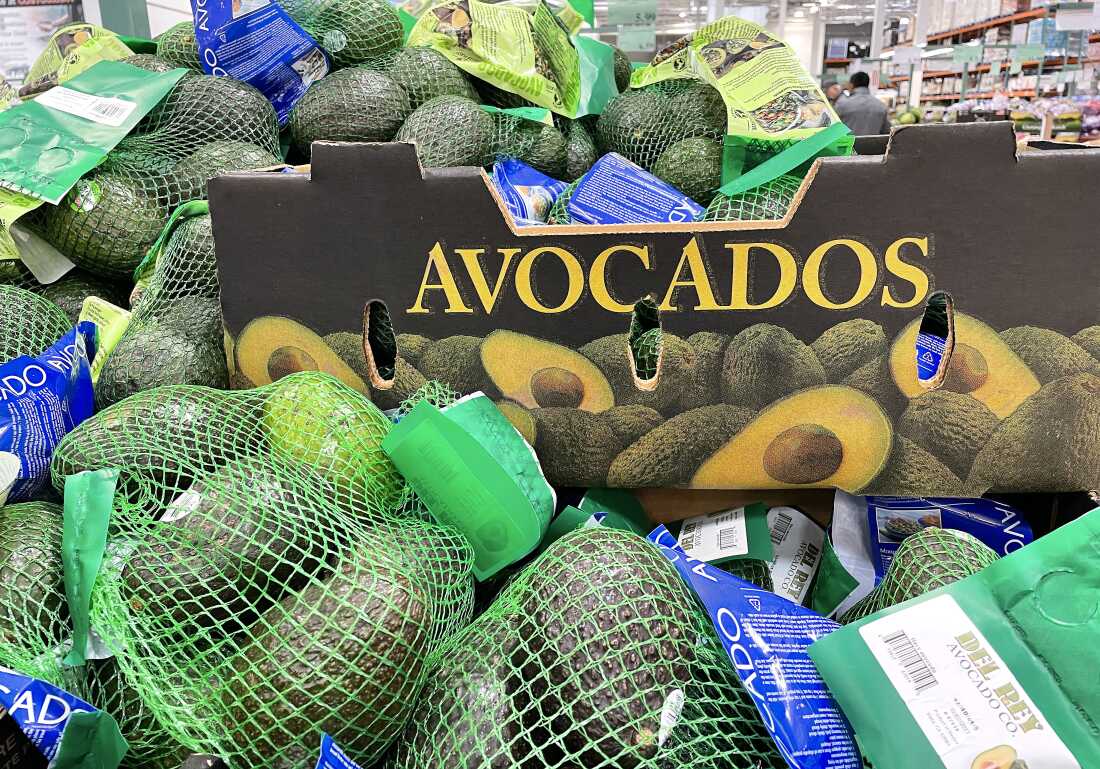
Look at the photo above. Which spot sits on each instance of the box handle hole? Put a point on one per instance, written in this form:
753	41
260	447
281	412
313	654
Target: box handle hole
379	344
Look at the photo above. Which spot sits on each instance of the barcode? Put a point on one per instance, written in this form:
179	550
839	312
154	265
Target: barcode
914	666
727	538
109	109
782	528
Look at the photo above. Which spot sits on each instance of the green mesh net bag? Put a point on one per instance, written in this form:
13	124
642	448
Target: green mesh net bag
536	144
580	151
355	104
29	323
768	202
425	74
595	656
269	577
450	131
149	62
177	46
930	559
351	31
14	273
559	212
205	126
70	291
175	334
693	166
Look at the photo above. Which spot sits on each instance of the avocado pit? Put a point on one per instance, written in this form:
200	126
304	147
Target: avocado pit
289	360
803	454
557	387
967	370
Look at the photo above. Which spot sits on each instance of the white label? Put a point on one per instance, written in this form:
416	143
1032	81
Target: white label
182	506
797	542
9	474
959	691
715	536
98	109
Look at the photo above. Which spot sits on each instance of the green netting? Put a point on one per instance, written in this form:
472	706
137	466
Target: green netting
29	323
14	273
425	74
434	392
150	62
355	104
175	334
450	131
69	292
205	126
178	47
580	151
595	656
927	560
268	577
540	146
351	31
768	202
693	166
751	570
559	212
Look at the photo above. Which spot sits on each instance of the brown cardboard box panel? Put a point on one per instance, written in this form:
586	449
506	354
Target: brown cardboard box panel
949	208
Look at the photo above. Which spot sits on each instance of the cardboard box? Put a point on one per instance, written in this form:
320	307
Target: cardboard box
868	240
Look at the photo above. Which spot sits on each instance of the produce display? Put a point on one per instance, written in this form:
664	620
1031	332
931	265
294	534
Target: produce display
207	541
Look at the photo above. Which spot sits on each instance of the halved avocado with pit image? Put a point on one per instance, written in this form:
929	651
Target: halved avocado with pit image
1000	757
822	436
271	347
536	373
982	365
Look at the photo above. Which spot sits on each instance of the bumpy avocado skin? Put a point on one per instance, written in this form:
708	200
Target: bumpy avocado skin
705	384
639	125
669	454
951	426
874	378
580	151
33	609
456	361
70	292
1048	354
406	378
1089	339
846	346
911	471
425	73
575	447
629	423
449	131
765	362
611	356
693	166
623	69
357	104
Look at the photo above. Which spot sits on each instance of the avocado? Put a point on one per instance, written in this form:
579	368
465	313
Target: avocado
1048	354
704	386
351	31
981	365
403	382
271	347
559	212
767	202
1048	443
29	323
214	159
1089	339
763	363
229	547
14	273
1000	757
187	269
449	131
623	69
34	613
495	96
613	357
105	224
818	437
913	472
69	292
344	656
693	166
456	361
845	347
668	454
149	62
177	46
412	346
575	447
534	372
542	147
751	570
425	73
930	559
351	105
951	426
700	110
639	125
874	379
521	419
182	344
629	423
580	151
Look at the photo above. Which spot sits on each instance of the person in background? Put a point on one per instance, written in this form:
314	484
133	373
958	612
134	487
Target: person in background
861	111
832	90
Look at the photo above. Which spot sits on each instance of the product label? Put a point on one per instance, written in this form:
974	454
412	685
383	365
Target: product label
716	536
110	324
99	109
332	757
968	703
798	544
930	350
616	191
41	710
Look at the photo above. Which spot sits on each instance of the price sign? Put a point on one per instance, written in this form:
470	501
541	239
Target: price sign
638	39
639	13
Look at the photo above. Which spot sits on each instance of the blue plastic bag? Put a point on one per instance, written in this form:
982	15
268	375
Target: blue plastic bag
332	757
616	191
41	399
527	192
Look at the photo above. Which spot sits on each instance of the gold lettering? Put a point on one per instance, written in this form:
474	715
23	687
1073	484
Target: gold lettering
699	280
811	274
907	272
597	276
968	641
788	275
470	258
437	259
574	274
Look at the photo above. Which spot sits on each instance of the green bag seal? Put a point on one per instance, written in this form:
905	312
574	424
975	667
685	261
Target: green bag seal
833	583
89	497
832	141
610	508
90	741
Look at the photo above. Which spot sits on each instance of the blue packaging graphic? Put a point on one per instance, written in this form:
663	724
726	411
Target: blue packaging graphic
527	192
41	399
332	757
930	349
767	638
616	191
258	43
41	710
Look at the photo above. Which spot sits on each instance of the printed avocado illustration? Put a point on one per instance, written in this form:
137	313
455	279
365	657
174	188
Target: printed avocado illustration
629	423
272	346
575	447
913	472
521	418
763	363
406	379
1048	354
982	365
456	361
1049	443
1089	339
536	373
846	346
952	426
669	453
1000	757
823	436
673	362
874	379
412	346
704	385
